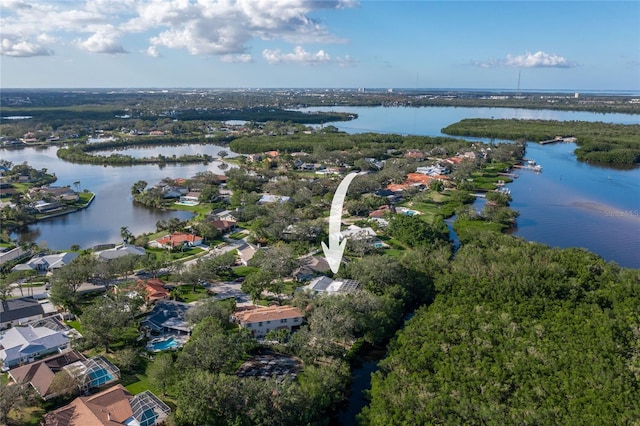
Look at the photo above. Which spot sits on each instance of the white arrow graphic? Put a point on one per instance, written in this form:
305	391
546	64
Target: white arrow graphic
334	252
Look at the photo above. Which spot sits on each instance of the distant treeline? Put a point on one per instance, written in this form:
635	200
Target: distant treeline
335	141
63	114
598	142
79	153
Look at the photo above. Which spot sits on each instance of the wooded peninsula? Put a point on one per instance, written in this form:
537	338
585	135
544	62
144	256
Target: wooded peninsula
597	142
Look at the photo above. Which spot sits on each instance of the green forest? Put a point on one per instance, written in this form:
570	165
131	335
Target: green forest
519	333
597	142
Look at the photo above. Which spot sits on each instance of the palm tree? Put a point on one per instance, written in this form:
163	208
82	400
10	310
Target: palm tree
125	234
77	185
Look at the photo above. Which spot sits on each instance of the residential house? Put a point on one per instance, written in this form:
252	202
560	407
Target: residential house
357	233
90	373
228	215
62	193
19	311
192	197
120	251
154	290
44	206
112	406
310	266
223	226
328	285
24	344
177	239
168	316
246	252
47	263
40	374
261	320
415	154
269	198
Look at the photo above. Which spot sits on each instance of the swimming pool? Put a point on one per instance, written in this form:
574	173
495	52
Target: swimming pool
163	345
100	377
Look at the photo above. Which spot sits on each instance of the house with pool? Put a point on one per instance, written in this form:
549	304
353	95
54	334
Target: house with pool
89	373
167	326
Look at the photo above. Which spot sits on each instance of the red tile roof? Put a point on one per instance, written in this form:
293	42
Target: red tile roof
177	238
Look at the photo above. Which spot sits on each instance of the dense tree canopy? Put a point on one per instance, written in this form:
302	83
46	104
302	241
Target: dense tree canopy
518	333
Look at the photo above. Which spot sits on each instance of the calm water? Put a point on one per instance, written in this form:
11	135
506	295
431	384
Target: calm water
113	206
569	204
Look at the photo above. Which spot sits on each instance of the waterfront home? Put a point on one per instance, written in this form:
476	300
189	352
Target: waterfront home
326	285
24	344
47	263
60	194
191	197
120	251
112	406
177	239
19	311
261	320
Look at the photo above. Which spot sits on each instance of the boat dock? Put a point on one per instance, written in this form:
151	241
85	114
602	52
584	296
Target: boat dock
558	139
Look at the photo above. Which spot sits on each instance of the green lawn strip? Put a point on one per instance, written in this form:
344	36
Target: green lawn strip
243	271
75	324
192	296
238	235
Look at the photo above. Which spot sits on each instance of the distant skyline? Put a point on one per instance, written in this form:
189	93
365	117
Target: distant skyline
555	45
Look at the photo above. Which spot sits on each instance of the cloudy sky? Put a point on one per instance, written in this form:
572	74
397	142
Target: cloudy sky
576	45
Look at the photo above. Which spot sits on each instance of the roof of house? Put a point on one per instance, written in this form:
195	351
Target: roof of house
50	261
270	198
113	406
22	341
327	285
168	313
222	225
267	313
178	238
109	407
40	374
155	289
15	309
120	251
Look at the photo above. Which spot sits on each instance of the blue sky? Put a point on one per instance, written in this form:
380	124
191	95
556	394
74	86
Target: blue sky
574	45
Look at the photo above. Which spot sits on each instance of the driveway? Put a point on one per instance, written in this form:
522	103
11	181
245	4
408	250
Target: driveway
226	290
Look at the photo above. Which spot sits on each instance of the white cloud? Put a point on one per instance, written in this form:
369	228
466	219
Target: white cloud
539	59
299	55
245	57
103	41
153	52
23	49
202	27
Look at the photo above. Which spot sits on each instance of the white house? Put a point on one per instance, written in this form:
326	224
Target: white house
264	319
47	263
327	285
120	251
21	345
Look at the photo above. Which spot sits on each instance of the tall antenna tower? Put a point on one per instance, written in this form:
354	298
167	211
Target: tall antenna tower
518	88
